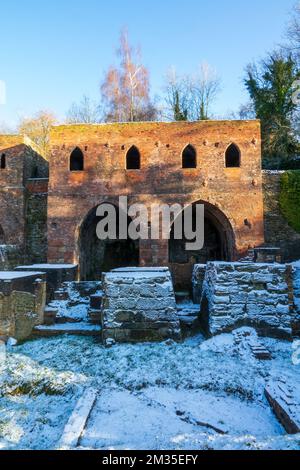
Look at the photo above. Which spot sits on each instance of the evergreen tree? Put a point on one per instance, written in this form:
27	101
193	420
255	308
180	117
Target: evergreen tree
271	88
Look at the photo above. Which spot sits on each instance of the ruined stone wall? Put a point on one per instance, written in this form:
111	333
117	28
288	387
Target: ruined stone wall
22	304
22	162
36	221
237	192
278	233
248	294
10	257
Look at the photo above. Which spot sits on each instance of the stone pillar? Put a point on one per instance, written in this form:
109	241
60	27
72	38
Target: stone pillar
139	305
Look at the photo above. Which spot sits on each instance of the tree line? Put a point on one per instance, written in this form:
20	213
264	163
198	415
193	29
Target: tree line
272	84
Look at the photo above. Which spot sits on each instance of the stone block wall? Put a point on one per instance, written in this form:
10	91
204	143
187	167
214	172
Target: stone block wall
197	281
139	305
278	233
22	304
10	257
248	294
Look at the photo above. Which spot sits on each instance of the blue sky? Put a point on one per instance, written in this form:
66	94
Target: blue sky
53	52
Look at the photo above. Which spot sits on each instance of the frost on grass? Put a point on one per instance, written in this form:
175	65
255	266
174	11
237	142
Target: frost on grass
170	383
35	402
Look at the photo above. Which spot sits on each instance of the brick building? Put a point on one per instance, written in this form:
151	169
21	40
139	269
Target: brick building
217	163
23	173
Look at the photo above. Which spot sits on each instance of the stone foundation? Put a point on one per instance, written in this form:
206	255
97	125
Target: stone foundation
267	255
248	294
10	257
22	303
139	305
56	275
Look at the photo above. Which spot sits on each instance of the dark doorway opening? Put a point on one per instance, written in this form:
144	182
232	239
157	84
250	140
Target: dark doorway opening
99	256
218	246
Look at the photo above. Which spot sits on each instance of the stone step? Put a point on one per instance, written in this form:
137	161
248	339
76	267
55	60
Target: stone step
96	301
188	321
247	338
61	294
78	329
182	296
63	319
50	314
192	310
95	316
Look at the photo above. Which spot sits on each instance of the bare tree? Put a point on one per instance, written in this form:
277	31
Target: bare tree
126	90
86	111
177	96
190	97
38	129
204	89
293	32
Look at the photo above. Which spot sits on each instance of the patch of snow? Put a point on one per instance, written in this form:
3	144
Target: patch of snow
49	266
80	326
152	396
11	275
75	307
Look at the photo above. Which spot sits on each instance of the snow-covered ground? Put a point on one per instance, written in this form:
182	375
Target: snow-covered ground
195	395
76	305
297	284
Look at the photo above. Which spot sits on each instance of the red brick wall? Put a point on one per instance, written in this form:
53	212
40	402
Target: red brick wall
236	192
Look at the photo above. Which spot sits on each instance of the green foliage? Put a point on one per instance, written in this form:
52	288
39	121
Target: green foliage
271	88
290	198
179	114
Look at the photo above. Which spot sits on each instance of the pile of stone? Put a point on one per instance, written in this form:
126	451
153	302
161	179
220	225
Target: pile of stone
248	294
247	340
284	400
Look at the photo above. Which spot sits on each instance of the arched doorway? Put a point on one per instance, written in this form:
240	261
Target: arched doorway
97	256
219	245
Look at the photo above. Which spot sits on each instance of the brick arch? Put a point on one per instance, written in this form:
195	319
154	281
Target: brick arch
96	256
219	245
